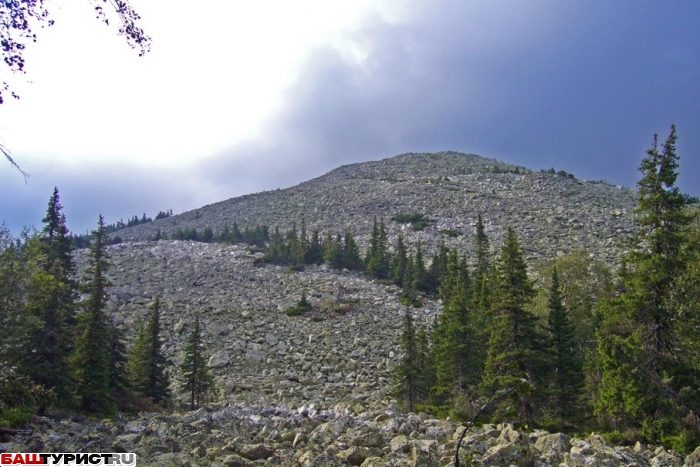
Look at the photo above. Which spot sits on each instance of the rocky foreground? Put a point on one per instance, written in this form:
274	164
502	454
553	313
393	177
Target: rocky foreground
362	432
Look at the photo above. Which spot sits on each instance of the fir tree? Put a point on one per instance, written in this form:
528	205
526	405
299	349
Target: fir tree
456	351
419	274
398	269
147	365
198	379
351	253
52	292
93	356
514	347
408	371
438	269
334	252
482	292
646	374
377	260
567	381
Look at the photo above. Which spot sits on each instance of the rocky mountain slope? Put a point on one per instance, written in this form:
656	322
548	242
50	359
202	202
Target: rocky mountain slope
315	390
550	213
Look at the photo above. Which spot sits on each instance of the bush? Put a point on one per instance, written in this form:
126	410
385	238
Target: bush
407	218
300	307
449	232
410	301
418	226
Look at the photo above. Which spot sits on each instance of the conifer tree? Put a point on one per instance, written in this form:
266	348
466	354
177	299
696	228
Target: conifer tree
408	371
567	381
482	292
419	274
14	322
351	253
147	365
334	251
93	356
456	352
646	375
52	292
314	254
514	347
438	269
198	379
377	260
398	269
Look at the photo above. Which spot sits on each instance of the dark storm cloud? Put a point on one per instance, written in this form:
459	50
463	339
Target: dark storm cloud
581	86
577	86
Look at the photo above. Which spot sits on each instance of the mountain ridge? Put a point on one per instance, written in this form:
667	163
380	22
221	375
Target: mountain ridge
551	214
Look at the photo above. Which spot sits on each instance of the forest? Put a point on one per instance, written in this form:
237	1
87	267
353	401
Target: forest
565	345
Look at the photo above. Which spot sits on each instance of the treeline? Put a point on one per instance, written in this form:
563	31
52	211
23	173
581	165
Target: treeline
83	241
587	350
60	350
559	173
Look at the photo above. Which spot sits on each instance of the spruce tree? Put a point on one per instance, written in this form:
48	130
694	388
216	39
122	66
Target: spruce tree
52	292
93	355
515	357
567	380
147	366
198	380
377	260
351	253
456	351
408	371
419	274
482	290
334	251
646	374
398	269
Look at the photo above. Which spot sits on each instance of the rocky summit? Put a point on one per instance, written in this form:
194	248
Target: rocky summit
551	214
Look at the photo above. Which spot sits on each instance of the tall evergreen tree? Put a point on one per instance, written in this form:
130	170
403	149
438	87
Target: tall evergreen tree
646	375
147	366
93	357
514	348
567	381
398	269
408	371
52	293
334	251
456	352
419	275
198	379
482	292
14	280
351	253
377	259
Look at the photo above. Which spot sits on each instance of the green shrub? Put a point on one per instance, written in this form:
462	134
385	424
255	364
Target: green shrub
407	218
418	226
410	301
449	232
300	307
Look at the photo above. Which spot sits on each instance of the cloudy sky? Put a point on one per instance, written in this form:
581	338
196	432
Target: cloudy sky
244	96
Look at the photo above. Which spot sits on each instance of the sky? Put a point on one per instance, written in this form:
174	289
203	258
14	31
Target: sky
238	97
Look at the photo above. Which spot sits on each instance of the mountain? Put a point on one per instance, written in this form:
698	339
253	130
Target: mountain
550	213
258	352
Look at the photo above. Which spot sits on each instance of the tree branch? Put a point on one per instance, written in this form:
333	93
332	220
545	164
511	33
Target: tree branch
6	152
